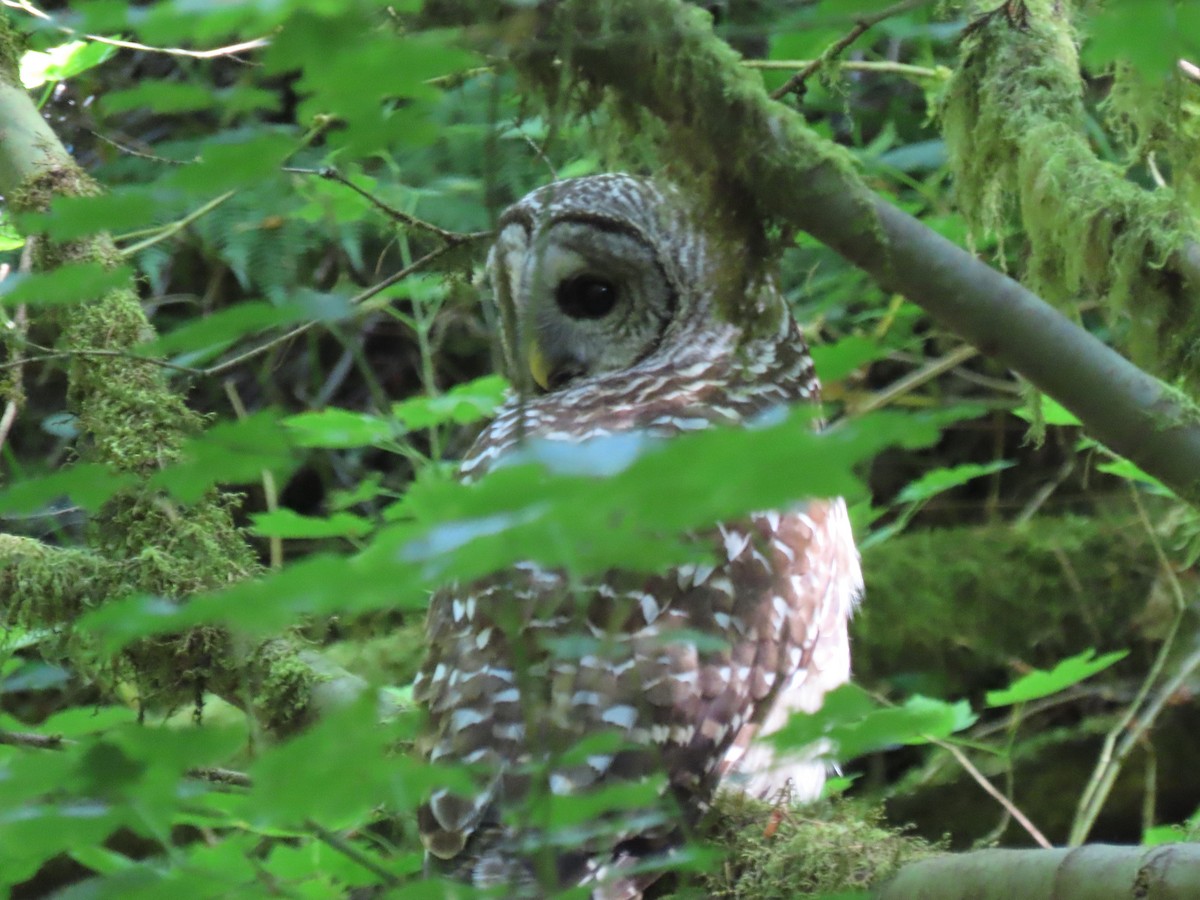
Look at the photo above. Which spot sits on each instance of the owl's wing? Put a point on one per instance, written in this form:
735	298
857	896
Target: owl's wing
559	689
822	588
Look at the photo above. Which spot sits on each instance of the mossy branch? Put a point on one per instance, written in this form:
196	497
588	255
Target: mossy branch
1015	124
1095	872
662	56
133	421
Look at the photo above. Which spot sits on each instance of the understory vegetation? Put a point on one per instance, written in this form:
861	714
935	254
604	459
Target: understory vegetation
243	342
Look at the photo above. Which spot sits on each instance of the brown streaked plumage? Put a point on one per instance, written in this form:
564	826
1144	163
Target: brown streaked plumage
609	288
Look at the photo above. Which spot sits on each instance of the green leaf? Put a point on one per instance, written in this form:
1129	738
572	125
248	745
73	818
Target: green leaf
938	480
620	501
460	405
173	97
10	238
339	429
208	335
121	209
1146	34
88	484
1040	683
228	453
341	794
835	361
284	523
62	62
69	283
1123	468
853	724
1052	412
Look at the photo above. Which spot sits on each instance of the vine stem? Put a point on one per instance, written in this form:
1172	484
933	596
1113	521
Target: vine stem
795	84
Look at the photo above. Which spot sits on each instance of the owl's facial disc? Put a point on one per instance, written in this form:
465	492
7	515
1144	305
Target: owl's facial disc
593	300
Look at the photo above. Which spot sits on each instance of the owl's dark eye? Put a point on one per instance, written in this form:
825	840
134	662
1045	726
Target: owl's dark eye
586	297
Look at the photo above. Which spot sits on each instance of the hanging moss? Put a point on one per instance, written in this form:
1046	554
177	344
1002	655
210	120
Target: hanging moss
1014	120
700	95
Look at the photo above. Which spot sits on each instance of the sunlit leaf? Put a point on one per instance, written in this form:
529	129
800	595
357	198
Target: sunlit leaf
70	283
62	62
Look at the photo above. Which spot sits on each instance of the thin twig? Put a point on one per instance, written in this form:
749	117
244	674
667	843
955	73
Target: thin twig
141	154
36	741
270	488
355	301
110	354
1009	806
232	49
168	231
1044	492
222	776
913	380
348	850
874	67
795	84
58	742
1137	719
19	326
450	237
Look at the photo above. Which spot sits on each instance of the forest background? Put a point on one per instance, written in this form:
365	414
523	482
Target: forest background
236	377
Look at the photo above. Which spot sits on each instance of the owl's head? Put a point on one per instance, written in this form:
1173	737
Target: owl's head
595	275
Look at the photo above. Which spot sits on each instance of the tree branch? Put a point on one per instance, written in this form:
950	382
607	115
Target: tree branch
663	57
1095	872
1016	128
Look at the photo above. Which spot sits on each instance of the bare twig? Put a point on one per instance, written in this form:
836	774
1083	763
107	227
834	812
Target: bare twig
913	380
36	741
1141	715
19	329
222	776
874	67
1044	492
1009	807
232	49
348	850
1190	69
109	354
58	742
356	300
141	154
168	231
450	237
270	488
795	84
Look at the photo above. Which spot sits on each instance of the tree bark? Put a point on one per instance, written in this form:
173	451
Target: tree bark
1094	872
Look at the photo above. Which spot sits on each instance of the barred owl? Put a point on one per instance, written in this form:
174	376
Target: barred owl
611	286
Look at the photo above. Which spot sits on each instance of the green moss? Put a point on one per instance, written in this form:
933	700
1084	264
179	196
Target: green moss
702	100
777	851
12	47
283	697
1068	583
1014	121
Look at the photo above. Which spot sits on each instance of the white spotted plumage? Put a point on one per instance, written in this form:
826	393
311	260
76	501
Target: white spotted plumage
525	664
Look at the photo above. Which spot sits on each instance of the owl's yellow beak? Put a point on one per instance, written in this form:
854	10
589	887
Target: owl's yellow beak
539	368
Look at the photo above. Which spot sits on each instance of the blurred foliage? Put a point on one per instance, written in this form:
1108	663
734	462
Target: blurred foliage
336	406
